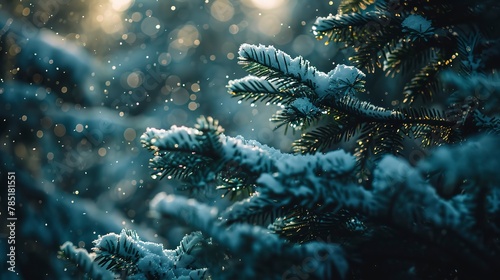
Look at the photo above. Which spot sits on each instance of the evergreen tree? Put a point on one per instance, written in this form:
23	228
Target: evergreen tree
322	212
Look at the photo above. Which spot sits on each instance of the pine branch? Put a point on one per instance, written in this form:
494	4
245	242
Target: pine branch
350	28
388	140
265	90
342	128
300	113
251	244
84	262
204	156
398	195
375	141
276	65
118	253
303	226
254	211
489	125
408	55
425	83
184	152
125	254
307	169
401	37
480	89
332	93
409	205
373	53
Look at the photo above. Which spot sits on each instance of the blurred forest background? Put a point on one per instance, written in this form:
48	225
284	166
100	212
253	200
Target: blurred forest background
81	80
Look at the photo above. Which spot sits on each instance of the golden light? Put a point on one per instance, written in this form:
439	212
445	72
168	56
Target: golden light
121	5
267	4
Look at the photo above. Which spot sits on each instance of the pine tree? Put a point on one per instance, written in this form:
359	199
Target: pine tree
322	212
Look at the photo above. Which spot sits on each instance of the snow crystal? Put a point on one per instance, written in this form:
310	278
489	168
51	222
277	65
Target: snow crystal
417	23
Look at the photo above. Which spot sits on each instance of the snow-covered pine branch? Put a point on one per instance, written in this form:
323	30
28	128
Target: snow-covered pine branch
275	65
305	94
309	172
286	179
399	196
315	185
252	245
126	255
343	27
84	262
266	61
262	89
418	26
200	156
278	78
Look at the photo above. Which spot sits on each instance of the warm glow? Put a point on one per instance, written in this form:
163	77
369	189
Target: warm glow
267	4
121	5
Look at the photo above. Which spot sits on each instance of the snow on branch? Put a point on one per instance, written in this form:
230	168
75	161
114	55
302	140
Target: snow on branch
125	253
392	177
84	261
325	180
307	180
266	90
190	152
183	151
277	63
475	161
155	139
399	194
418	25
305	183
342	27
256	246
306	94
271	63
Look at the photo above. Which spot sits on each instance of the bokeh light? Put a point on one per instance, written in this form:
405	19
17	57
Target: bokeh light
267	4
222	10
121	5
